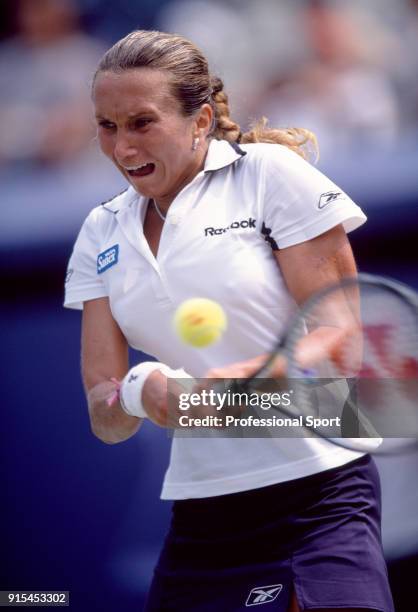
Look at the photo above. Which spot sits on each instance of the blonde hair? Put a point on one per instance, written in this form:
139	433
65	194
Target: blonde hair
193	85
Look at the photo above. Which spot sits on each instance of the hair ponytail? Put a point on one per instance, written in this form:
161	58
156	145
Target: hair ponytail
299	140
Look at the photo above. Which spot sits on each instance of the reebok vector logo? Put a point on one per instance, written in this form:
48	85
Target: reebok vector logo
263	595
330	196
70	272
217	231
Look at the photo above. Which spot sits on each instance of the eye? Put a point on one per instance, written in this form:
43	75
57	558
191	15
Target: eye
141	123
106	125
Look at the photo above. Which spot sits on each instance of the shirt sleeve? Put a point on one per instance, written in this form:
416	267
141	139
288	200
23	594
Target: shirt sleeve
82	280
301	203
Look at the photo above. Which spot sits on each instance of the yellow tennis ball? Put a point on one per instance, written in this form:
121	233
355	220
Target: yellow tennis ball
200	322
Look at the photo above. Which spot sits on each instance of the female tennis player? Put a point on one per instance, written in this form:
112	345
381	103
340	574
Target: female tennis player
241	218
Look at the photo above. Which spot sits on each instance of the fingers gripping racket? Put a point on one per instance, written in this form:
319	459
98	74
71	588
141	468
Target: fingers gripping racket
352	356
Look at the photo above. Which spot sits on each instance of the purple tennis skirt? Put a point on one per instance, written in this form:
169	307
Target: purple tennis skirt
318	536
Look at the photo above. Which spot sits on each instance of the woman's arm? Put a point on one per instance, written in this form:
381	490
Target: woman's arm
104	355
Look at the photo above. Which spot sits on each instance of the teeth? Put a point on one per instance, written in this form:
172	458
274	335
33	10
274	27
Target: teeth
136	167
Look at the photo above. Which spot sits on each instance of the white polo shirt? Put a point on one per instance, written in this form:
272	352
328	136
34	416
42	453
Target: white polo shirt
217	242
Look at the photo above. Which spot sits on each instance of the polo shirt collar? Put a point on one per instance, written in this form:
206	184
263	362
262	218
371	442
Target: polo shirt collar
222	153
122	201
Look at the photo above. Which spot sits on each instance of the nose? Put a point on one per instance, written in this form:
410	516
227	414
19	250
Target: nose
124	150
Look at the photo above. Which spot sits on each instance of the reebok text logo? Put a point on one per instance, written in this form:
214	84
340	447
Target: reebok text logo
263	595
217	231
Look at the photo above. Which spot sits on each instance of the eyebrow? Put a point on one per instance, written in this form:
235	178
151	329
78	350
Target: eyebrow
131	116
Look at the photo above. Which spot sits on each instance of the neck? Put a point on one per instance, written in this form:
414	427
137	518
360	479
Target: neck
164	202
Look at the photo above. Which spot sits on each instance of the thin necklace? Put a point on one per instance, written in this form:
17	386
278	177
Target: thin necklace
159	213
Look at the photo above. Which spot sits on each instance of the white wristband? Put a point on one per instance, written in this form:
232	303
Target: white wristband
131	388
130	392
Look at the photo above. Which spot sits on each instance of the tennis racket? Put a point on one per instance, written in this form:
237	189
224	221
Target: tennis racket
352	365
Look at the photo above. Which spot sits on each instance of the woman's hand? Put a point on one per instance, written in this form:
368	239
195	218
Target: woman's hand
161	398
247	368
155	398
228	375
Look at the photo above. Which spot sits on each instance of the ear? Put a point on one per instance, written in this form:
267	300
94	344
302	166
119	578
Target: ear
203	121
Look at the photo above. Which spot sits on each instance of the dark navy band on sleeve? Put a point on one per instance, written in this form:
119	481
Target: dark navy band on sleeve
266	231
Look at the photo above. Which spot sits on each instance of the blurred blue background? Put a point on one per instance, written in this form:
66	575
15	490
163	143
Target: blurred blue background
77	514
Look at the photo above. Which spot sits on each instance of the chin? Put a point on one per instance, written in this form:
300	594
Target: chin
142	189
142	192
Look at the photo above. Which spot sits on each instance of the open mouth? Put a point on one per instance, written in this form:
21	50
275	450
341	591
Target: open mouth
142	170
